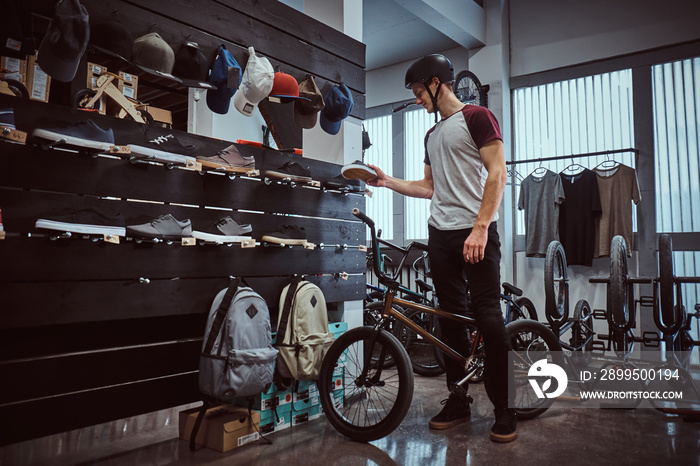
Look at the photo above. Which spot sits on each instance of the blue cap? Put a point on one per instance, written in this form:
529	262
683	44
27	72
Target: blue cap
226	75
338	105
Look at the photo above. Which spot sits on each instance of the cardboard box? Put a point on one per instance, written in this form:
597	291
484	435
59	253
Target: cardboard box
128	85
310	412
38	82
269	422
160	115
93	74
17	68
223	428
338	328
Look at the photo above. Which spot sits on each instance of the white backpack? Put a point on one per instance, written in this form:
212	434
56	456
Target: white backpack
303	337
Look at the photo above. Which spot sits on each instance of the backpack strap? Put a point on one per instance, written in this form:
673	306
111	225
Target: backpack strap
286	310
221	315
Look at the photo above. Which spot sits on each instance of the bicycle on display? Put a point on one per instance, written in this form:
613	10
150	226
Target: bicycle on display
364	400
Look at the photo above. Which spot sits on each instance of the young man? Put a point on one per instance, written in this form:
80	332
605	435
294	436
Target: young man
464	177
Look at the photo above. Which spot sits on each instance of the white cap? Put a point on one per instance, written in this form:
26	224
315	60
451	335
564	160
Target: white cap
256	83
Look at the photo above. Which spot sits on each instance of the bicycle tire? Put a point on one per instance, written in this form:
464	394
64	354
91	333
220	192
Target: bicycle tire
365	410
17	88
556	285
372	313
666	279
83	96
533	340
617	293
420	351
526	310
582	332
468	88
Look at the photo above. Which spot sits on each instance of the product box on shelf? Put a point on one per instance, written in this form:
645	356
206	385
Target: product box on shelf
338	328
93	74
306	410
17	68
272	397
223	428
38	82
128	84
276	419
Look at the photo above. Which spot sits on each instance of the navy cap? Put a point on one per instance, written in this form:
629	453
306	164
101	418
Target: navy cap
226	76
65	41
338	105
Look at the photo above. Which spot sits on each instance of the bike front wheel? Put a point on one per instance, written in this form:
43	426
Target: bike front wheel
361	398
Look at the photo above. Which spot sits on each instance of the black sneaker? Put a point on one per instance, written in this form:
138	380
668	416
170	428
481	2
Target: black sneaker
505	428
7	118
164	148
164	227
455	412
358	171
84	134
288	235
223	231
91	221
291	170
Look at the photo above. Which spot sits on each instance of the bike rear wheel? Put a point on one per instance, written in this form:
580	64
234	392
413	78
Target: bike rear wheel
527	310
370	406
421	353
556	285
532	341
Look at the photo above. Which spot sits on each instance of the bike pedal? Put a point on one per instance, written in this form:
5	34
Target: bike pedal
600	314
651	339
598	346
647	301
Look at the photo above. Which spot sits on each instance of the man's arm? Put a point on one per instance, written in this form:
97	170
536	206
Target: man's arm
493	158
417	188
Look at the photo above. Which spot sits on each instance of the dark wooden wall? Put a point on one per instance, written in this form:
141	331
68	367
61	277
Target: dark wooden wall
83	338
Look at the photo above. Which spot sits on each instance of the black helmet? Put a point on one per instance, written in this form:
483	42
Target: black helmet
430	65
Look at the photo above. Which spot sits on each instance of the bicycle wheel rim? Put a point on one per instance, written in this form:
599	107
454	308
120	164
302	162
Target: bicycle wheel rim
361	410
534	341
555	284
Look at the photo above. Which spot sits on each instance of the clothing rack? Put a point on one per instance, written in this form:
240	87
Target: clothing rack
573	156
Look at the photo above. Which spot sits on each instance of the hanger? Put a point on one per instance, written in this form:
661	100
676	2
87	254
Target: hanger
517	177
574	168
606	161
539	172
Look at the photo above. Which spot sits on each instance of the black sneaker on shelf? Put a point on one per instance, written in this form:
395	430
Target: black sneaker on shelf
340	183
228	159
7	118
455	411
226	230
164	227
84	134
292	171
90	221
505	428
164	148
289	235
358	170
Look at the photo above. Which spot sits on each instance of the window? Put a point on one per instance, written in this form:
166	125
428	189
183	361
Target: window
380	206
416	124
676	94
577	116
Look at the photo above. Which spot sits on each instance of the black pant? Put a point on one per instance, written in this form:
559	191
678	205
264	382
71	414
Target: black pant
449	270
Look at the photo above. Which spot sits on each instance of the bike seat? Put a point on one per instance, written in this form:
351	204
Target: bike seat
510	289
423	286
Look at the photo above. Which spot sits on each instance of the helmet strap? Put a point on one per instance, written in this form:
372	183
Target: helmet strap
434	98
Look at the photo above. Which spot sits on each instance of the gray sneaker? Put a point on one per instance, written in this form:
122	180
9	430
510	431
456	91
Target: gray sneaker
163	227
228	159
226	230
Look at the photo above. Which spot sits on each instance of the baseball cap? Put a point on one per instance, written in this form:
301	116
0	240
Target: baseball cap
191	66
112	38
338	101
285	89
16	31
306	111
153	55
65	41
226	76
256	83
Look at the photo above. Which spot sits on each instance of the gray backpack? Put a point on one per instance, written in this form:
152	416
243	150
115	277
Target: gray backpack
237	358
303	337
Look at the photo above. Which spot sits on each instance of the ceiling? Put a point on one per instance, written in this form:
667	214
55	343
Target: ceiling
400	30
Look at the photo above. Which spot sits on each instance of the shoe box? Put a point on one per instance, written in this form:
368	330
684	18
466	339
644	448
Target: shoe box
17	68
223	427
38	82
306	402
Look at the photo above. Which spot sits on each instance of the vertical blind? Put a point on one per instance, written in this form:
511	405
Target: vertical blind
380	206
676	97
589	114
416	124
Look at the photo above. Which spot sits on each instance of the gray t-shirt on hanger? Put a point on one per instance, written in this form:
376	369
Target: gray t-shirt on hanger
540	198
618	188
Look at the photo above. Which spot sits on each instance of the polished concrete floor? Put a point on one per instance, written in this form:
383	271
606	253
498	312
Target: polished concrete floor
562	436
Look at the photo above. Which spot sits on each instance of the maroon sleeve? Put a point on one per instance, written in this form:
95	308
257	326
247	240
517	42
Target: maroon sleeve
482	124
